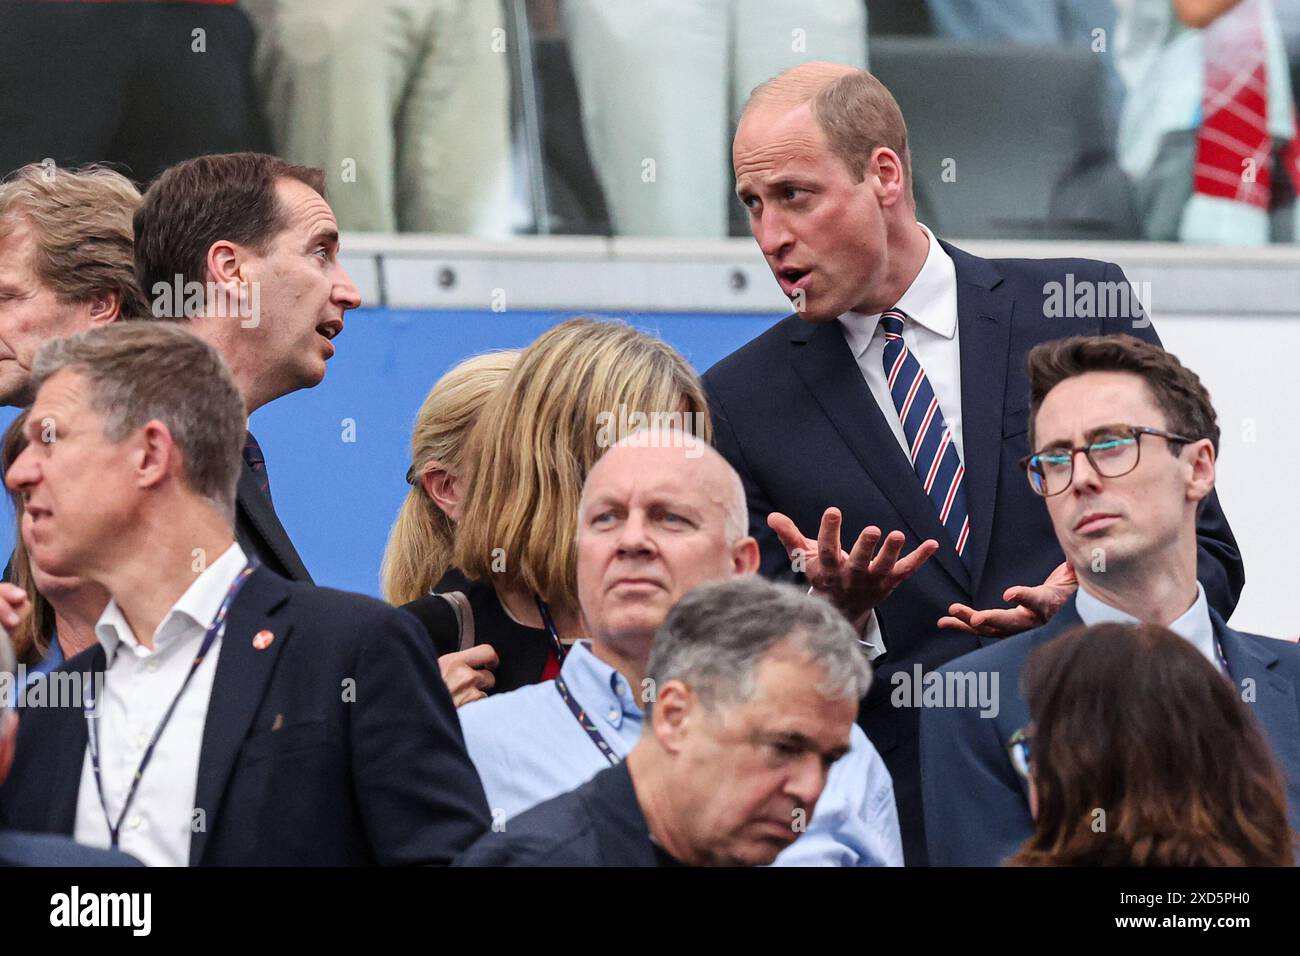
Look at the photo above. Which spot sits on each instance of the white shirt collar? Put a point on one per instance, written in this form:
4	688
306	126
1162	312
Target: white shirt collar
197	607
1194	625
937	277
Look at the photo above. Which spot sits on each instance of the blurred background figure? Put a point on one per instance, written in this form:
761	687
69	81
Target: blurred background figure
514	563
63	610
1140	754
405	103
417	572
659	135
1208	132
136	83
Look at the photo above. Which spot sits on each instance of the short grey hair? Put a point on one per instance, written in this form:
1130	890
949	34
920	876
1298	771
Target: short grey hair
716	636
141	371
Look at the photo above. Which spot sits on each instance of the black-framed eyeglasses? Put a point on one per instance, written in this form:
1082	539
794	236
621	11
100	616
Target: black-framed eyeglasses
1019	749
1112	450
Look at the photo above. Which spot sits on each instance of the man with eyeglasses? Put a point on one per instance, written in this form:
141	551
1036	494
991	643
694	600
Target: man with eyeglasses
1126	441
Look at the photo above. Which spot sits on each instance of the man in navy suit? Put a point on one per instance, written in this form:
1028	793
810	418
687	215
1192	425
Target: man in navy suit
1126	443
244	248
225	716
894	400
37	849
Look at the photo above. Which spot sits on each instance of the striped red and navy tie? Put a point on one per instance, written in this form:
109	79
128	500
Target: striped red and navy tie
930	444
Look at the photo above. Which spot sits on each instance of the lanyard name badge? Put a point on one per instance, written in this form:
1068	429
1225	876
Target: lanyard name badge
89	703
548	622
579	714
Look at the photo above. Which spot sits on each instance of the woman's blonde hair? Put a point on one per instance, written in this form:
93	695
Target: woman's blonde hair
574	392
420	545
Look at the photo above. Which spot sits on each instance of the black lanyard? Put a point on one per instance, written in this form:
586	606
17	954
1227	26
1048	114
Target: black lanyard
93	730
585	723
548	622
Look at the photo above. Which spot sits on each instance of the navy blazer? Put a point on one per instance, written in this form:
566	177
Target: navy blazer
977	806
259	531
794	416
51	849
598	824
336	745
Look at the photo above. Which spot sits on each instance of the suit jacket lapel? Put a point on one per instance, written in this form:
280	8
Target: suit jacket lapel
984	324
825	363
71	749
1274	697
237	690
253	505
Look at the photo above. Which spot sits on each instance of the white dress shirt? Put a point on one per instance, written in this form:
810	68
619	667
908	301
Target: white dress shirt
1194	625
139	685
930	334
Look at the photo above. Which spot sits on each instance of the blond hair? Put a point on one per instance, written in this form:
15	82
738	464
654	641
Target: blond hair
541	434
81	220
856	112
420	544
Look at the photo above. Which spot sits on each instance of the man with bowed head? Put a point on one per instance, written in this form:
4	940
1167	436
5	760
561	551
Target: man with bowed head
661	514
755	688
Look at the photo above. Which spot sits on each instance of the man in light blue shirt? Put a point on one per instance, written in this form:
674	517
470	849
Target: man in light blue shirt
661	513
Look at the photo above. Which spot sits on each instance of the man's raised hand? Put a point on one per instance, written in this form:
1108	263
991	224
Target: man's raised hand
855	581
1034	607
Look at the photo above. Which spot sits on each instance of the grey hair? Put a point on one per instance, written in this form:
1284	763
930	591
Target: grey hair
716	636
736	505
141	371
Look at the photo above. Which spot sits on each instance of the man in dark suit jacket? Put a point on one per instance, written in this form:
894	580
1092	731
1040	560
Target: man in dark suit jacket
807	415
244	248
779	675
37	849
1125	514
309	726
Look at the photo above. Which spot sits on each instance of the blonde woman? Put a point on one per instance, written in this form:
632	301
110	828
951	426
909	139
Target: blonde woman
417	560
573	393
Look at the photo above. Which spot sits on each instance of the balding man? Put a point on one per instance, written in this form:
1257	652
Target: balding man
896	393
659	516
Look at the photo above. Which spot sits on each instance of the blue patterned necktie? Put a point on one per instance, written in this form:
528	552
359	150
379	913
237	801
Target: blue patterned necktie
253	456
931	447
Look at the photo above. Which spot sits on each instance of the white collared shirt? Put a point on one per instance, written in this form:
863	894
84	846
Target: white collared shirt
930	335
139	685
1194	625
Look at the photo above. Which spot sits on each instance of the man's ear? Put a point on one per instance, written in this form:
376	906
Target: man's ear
746	556
105	307
225	261
156	452
675	703
891	181
1202	469
441	487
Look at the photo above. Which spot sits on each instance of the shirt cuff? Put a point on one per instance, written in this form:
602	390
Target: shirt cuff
872	640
